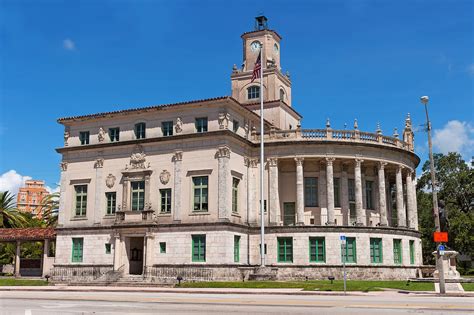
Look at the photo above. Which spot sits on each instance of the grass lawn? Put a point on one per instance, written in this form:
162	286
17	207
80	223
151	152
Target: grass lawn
21	282
468	286
321	285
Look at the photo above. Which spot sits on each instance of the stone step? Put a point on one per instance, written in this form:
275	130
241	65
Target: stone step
262	277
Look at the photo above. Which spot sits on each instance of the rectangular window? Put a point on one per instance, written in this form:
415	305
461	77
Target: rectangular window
77	245
201	124
412	252
264	248
376	250
311	191
397	251
235	126
317	250
111	202
81	200
108	248
140	131
253	92
199	248
264	206
138	195
236	248
285	249
114	134
351	193
200	201
337	189
84	137
369	191
165	200
163	247
235	194
350	253
167	128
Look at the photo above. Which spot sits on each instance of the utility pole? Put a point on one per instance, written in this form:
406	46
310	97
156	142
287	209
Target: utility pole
434	192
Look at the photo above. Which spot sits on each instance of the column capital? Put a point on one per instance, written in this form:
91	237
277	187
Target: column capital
381	165
177	156
99	163
250	162
358	161
222	152
63	166
330	160
400	167
299	160
273	162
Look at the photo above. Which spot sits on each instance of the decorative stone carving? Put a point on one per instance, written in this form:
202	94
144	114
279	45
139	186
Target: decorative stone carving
99	163
299	161
66	137
330	160
138	158
63	166
273	162
177	156
110	180
224	119
101	134
179	125
165	177
223	152
356	124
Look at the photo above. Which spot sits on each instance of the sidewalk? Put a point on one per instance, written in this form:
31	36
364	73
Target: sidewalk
63	288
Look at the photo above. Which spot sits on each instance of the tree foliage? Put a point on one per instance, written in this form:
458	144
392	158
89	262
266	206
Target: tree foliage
10	217
455	185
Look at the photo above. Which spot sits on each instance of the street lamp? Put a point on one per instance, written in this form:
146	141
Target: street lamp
439	259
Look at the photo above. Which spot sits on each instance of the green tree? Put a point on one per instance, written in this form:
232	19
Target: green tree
10	217
455	184
50	209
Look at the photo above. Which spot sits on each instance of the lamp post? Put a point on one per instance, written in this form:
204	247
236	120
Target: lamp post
424	100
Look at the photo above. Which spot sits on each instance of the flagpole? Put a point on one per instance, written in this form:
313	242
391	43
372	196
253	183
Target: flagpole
262	135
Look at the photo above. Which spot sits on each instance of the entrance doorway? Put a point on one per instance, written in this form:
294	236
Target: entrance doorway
135	255
289	213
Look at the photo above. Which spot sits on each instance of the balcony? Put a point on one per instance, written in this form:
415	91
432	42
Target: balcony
146	216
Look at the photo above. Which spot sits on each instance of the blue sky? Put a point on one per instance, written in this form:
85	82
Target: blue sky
369	60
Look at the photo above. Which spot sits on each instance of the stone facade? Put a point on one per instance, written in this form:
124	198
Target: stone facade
173	190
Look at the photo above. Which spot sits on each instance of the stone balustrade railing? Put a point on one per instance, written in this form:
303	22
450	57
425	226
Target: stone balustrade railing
333	135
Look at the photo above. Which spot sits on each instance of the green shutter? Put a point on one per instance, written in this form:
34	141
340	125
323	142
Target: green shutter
285	249
317	249
199	248
350	251
236	248
77	244
412	252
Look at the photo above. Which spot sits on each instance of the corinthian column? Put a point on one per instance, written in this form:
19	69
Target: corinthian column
358	192
177	159
410	202
274	197
251	190
401	216
125	188
299	190
330	190
382	196
224	183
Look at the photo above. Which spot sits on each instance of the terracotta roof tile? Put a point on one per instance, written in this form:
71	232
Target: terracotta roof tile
27	234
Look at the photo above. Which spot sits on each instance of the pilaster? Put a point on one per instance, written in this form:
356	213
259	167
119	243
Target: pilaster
177	195
274	196
224	185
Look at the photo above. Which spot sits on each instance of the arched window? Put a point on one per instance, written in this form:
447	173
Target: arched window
253	92
282	95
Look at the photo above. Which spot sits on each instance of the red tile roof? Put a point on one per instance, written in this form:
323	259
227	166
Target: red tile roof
27	234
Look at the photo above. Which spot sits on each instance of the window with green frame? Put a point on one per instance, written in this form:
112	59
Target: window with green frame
199	248
397	251
285	249
111	198
369	194
138	195
165	200
167	128
235	194
200	187
350	252
412	252
201	124
140	130
84	137
311	191
317	250
77	246
376	250
81	200
236	248
337	189
162	247
114	134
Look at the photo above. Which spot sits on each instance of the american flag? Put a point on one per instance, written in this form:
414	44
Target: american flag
257	67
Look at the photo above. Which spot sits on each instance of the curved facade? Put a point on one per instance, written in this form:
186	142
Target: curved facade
172	190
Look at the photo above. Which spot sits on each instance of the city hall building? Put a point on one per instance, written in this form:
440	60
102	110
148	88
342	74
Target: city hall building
169	191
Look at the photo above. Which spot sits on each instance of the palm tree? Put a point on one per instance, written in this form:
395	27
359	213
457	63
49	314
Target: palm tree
10	217
50	208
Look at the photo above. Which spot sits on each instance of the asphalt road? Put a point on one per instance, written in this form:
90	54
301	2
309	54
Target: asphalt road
64	303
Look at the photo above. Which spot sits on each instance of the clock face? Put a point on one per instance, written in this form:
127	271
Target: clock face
275	49
255	46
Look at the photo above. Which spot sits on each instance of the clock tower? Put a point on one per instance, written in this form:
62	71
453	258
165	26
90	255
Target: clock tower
276	85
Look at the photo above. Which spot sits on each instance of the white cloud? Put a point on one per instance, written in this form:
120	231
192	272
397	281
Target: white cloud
68	44
52	190
12	181
455	136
